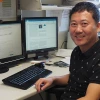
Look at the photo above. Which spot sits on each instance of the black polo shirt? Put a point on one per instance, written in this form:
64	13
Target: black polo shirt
84	69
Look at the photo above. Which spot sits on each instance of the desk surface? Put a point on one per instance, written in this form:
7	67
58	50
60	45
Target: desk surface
11	93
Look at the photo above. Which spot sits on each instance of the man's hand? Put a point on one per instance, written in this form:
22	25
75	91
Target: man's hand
43	83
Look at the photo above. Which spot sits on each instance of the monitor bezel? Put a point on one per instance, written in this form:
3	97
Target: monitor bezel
14	59
44	50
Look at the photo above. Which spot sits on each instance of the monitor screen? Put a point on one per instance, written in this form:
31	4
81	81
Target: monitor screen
41	35
10	42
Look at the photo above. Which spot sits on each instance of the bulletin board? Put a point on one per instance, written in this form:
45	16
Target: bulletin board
8	10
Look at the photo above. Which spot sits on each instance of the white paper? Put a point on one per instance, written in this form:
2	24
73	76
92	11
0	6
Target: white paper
63	18
8	10
64	52
55	13
64	21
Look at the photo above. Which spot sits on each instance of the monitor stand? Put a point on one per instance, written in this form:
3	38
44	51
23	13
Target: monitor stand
3	69
42	55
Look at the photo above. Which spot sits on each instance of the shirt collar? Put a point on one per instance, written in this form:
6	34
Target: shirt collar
92	50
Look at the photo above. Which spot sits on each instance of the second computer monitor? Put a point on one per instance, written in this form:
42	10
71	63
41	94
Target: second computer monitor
41	35
11	49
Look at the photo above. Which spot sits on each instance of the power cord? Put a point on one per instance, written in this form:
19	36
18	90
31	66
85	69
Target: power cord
63	44
40	96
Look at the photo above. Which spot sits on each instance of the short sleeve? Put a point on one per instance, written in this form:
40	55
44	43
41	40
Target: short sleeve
95	74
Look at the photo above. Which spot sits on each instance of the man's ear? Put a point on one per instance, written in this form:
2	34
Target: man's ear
98	26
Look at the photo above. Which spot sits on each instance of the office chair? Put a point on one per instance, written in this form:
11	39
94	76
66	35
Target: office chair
57	90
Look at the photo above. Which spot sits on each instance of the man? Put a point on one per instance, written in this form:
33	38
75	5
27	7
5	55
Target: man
83	82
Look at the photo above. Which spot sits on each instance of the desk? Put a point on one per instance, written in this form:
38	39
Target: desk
11	93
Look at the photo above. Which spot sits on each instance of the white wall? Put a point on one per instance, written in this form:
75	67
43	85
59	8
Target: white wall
70	43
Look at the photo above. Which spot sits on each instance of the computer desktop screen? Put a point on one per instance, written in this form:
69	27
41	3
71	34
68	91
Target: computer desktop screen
10	43
41	35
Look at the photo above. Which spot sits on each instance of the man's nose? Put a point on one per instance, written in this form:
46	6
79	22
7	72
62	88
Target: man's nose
79	28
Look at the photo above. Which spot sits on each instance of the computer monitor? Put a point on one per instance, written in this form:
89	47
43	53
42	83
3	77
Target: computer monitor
41	35
11	49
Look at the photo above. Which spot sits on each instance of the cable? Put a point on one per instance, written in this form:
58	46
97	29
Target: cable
63	44
41	96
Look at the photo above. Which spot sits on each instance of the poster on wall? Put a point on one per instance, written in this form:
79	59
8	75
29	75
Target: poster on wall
63	18
8	10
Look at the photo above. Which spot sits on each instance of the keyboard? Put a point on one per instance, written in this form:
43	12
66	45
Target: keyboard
27	77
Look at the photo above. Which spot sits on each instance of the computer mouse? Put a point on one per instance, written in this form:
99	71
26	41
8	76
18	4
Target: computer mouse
40	65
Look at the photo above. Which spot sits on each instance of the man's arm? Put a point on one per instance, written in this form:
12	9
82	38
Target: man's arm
92	93
58	80
61	80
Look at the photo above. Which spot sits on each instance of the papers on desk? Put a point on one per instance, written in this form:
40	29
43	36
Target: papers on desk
66	60
35	62
64	52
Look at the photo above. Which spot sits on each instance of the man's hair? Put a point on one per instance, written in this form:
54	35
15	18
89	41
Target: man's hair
86	6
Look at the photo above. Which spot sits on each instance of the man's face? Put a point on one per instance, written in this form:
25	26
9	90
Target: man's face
83	29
